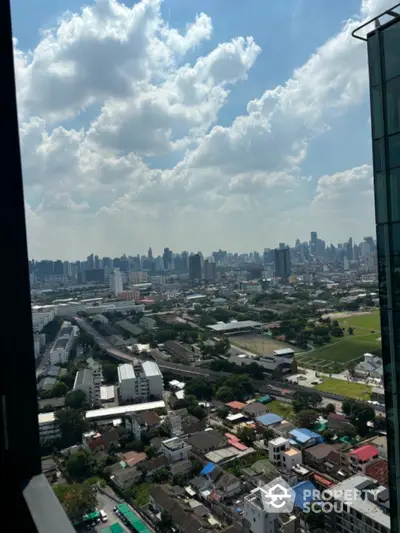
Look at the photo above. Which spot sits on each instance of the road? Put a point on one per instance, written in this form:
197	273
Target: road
45	358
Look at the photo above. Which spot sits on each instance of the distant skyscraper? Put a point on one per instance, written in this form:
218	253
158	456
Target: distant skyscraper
283	266
167	259
195	267
313	242
150	254
210	270
116	286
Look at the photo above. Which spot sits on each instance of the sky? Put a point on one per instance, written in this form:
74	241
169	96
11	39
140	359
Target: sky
196	125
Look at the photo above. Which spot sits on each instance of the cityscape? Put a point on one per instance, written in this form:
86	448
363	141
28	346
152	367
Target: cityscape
185	388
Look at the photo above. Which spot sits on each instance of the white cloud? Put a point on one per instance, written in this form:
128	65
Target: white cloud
97	184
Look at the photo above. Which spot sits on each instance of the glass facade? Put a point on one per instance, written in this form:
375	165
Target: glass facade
384	75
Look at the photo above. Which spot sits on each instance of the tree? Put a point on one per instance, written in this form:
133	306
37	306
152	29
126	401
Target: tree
306	400
222	412
77	499
348	406
247	436
351	369
72	424
150	452
225	394
268	434
350	331
306	418
328	434
68	379
60	389
75	399
363	414
329	408
79	465
110	372
337	332
200	388
223	346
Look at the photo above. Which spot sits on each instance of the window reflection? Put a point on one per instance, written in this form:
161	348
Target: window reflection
376	113
394	151
393	105
380	197
391	41
395	202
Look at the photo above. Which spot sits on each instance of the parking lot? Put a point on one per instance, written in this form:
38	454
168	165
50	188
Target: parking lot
107	504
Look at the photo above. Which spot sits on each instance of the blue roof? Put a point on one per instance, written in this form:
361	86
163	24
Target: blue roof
303	435
207	469
268	419
304	493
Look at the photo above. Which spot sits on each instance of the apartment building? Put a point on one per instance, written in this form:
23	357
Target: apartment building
48	427
139	381
85	381
65	341
41	316
362	457
364	507
148	323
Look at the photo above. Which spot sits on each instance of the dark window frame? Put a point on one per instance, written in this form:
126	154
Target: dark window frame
25	487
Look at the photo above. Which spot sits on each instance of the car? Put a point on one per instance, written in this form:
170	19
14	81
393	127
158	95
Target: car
103	516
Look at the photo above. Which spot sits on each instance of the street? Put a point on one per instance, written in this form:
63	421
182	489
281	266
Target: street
107	504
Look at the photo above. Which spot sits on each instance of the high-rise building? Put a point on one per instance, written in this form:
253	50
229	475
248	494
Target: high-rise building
313	242
383	42
116	285
210	269
283	266
167	259
195	273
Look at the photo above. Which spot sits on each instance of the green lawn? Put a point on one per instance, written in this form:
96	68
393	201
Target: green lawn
334	356
285	410
345	388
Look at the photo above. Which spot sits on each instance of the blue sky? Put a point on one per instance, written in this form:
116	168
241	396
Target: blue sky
253	125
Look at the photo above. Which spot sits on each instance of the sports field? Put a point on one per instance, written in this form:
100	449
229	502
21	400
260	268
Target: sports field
349	389
259	344
335	356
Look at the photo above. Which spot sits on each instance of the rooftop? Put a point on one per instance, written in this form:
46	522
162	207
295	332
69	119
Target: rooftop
150	369
303	435
292	451
123	409
125	371
61	343
83	377
46	418
365	452
269	419
236	405
232	326
363	505
107	392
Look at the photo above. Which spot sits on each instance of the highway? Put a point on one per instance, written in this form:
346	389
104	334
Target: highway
267	386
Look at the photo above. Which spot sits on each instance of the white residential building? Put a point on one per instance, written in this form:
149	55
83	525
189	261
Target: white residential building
139	381
258	520
116	285
41	316
85	382
282	454
65	340
176	449
48	427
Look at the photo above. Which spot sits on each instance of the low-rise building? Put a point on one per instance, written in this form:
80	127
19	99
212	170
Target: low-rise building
65	341
148	323
361	457
254	409
282	454
176	449
48	427
141	423
207	440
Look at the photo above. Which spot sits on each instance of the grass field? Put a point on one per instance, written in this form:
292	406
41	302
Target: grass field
346	388
259	344
341	351
283	409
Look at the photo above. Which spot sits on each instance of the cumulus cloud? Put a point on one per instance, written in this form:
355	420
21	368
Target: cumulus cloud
99	182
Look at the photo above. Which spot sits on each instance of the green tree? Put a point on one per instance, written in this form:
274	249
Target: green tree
150	452
225	394
350	331
337	332
328	435
329	408
222	412
306	418
75	399
79	465
77	499
68	379
60	389
247	436
110	372
268	434
199	387
348	406
302	401
72	424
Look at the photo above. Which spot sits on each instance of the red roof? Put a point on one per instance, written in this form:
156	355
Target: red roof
230	436
238	445
379	470
336	416
236	405
365	452
323	480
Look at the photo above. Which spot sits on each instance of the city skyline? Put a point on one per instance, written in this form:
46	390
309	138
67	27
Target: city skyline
159	253
201	131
